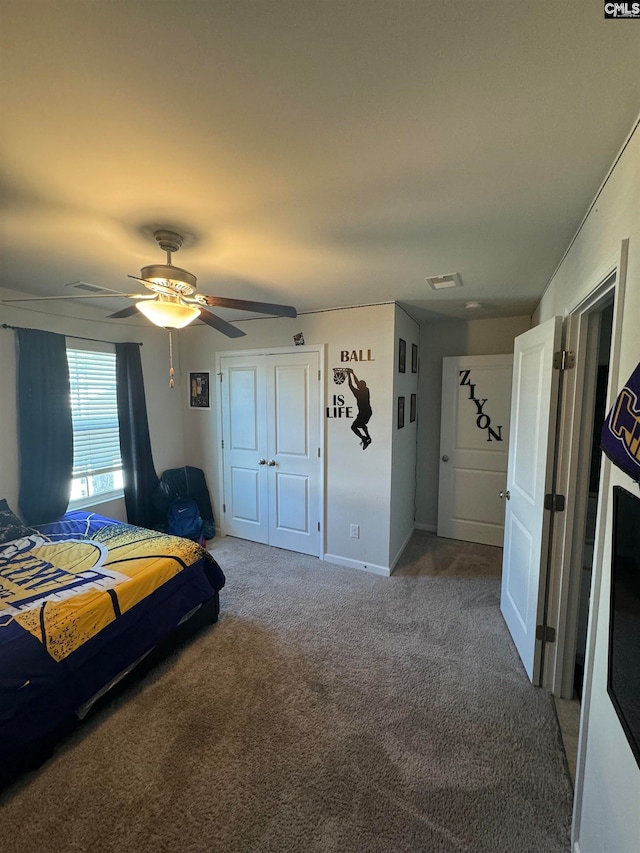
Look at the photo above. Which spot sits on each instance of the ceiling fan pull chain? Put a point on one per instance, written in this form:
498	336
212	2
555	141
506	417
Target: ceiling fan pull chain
171	371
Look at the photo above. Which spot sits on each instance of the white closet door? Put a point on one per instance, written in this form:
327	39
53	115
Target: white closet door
246	512
271	433
293	423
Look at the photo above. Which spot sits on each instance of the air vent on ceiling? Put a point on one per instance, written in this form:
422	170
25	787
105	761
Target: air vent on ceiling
91	288
442	282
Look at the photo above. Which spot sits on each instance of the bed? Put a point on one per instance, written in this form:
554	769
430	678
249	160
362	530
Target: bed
82	602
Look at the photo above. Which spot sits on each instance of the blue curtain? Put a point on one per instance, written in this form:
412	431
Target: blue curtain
140	478
45	429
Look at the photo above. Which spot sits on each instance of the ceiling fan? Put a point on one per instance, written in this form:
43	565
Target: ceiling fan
174	301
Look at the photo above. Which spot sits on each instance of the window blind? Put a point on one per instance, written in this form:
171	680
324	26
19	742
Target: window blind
94	410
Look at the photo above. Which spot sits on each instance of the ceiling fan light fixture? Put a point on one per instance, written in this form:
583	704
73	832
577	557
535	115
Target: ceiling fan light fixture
168	314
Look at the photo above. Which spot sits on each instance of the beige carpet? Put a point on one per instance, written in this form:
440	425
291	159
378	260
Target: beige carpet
428	555
327	710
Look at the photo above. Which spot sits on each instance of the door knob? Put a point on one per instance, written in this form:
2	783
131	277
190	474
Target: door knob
445	458
262	461
271	463
506	495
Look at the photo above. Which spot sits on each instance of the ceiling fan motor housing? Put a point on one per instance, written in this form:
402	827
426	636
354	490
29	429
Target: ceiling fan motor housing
168	276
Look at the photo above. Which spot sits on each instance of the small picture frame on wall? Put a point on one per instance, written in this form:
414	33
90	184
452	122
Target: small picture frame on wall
402	356
414	358
199	389
413	406
400	412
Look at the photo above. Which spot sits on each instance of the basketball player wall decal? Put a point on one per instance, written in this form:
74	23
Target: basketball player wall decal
360	391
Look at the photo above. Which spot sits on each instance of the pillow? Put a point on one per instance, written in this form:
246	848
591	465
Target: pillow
10	525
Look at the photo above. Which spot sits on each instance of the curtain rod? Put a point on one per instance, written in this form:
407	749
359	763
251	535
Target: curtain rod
75	337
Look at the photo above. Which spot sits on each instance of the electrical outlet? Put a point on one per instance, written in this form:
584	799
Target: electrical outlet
355	531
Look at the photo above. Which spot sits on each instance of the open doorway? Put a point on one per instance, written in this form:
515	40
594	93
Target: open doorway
592	331
585	394
596	384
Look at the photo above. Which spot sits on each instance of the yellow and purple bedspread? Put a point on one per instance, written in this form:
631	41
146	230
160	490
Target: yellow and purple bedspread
81	600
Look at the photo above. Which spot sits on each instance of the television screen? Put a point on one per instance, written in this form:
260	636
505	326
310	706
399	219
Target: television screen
623	682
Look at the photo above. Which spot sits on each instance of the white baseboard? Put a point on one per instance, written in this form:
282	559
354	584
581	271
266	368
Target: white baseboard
356	564
400	552
576	847
430	528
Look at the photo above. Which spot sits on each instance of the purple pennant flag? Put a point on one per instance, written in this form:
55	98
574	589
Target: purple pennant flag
621	430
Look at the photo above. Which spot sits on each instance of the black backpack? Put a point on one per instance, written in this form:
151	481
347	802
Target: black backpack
186	482
183	519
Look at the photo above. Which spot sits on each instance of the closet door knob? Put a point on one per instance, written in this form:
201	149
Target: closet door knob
271	463
262	461
506	495
445	458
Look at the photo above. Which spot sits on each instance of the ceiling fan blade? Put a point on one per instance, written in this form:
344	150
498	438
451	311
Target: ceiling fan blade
144	281
218	323
79	296
257	307
129	311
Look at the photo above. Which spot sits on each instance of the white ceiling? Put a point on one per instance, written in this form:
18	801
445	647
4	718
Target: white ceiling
315	152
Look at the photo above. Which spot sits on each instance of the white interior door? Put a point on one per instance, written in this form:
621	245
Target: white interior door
245	449
293	427
474	438
534	406
272	466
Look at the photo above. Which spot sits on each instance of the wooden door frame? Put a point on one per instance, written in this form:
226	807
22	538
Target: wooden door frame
260	352
569	526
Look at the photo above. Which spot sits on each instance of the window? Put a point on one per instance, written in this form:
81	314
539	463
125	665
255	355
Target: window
97	466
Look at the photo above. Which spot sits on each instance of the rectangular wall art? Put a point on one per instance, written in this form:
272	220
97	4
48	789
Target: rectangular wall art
402	356
199	390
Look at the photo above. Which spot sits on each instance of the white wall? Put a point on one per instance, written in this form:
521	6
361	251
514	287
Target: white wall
607	816
437	340
163	405
404	441
358	483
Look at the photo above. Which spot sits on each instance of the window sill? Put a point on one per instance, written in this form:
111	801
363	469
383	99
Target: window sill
95	500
